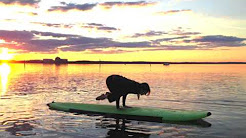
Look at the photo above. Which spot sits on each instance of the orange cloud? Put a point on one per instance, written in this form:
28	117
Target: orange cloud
109	5
100	27
20	2
173	11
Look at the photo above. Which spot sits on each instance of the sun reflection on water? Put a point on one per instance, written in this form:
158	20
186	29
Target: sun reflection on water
4	73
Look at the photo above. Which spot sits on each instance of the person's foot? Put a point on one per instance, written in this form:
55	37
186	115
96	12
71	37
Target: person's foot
120	108
102	97
127	106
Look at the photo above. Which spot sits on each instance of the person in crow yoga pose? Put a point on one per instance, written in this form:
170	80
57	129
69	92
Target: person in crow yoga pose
120	86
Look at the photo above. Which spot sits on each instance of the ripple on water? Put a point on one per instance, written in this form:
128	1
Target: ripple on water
218	88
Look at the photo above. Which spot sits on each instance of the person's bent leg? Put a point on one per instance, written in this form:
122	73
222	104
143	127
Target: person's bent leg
118	103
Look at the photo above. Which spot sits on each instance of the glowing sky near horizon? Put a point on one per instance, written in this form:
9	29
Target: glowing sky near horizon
121	30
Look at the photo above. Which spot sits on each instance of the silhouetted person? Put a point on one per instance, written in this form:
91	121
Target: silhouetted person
121	86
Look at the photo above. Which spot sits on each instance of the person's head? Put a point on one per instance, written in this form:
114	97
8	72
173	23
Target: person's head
144	89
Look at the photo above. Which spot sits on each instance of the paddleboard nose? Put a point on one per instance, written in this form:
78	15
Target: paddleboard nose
50	103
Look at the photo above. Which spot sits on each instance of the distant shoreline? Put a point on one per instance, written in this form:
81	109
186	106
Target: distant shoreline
120	62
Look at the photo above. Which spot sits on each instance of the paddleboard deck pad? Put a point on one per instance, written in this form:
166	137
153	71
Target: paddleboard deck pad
134	113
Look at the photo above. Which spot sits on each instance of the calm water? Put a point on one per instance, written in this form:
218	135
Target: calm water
25	91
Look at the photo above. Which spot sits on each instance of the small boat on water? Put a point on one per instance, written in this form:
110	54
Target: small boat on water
166	63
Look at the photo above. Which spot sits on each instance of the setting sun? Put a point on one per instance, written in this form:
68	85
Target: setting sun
5	55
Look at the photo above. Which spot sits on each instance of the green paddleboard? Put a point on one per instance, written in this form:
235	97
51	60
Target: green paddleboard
135	113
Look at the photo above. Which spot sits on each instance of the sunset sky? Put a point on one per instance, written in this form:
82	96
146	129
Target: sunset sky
124	30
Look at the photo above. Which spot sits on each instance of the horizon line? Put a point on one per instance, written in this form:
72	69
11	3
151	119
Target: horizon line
122	62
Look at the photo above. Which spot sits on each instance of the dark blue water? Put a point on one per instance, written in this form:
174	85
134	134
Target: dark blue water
25	91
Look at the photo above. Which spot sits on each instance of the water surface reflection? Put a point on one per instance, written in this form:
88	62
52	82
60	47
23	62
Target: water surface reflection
25	91
4	73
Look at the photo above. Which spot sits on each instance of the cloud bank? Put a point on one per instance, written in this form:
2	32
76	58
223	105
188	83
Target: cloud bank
33	41
89	6
71	6
20	2
149	34
99	27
